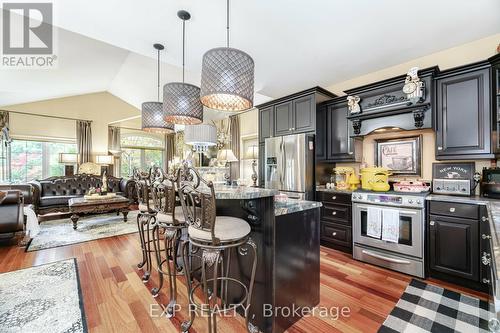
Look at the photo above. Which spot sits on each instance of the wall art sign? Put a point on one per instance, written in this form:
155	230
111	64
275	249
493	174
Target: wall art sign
401	156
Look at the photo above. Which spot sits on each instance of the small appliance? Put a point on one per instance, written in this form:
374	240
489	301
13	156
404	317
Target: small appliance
454	178
490	183
375	179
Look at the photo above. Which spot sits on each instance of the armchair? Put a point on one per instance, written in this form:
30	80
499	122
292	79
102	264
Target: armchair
11	214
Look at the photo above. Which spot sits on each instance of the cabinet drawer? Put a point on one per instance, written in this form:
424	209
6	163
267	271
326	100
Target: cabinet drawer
454	209
337	213
333	197
337	234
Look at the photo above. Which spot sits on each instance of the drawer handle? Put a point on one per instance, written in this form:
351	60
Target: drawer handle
432	222
334	198
484	218
440	148
334	234
486	281
334	213
452	209
393	260
484	236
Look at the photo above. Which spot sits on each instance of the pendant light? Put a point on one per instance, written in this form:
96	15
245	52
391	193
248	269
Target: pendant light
181	101
152	112
227	77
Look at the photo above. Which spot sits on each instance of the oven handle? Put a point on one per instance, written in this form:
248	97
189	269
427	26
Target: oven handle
378	256
401	211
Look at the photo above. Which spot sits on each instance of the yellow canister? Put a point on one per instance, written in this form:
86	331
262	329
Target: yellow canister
371	175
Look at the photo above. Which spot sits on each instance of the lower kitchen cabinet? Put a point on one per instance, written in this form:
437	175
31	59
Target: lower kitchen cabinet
454	247
336	221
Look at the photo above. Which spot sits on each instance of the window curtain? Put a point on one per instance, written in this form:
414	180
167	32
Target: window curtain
234	122
114	147
84	141
4	148
4	119
170	149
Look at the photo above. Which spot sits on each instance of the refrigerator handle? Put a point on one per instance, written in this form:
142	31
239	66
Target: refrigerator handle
284	164
280	171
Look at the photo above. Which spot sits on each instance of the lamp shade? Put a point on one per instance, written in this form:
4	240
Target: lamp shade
252	153
68	158
181	104
153	119
200	135
227	79
226	155
104	159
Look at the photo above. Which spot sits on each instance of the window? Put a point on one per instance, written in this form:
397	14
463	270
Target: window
140	151
31	160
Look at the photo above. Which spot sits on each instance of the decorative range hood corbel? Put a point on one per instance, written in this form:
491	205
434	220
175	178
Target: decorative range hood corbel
402	102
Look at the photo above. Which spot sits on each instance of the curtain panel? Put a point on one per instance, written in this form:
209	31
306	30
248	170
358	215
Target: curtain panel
114	147
84	141
235	146
170	149
4	119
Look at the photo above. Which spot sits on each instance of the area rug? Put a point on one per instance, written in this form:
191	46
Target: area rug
44	298
60	232
427	308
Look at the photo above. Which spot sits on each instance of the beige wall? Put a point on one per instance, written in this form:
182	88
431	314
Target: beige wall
102	108
468	53
249	123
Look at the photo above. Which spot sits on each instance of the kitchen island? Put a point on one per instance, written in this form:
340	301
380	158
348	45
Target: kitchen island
287	238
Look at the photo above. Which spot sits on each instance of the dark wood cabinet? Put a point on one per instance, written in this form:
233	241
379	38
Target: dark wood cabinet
283	118
334	138
266	123
495	61
453	246
304	116
321	133
457	242
464	117
336	221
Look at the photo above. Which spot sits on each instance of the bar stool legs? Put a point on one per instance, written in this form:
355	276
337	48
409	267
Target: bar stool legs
144	221
215	288
171	237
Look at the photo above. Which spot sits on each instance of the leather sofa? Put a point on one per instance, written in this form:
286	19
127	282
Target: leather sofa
52	195
11	209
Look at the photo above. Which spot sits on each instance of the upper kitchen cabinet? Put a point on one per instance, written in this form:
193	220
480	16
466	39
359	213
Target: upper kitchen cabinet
403	102
463	113
266	123
291	114
495	61
334	142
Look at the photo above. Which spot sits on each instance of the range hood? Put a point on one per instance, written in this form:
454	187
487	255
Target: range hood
402	102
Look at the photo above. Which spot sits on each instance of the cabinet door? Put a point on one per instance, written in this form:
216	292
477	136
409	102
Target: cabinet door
303	114
283	118
321	133
262	178
463	115
339	147
454	246
266	119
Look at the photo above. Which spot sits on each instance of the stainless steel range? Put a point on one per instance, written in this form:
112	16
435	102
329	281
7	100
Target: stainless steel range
388	230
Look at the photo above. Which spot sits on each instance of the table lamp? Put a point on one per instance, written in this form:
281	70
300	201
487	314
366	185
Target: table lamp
226	156
69	160
252	153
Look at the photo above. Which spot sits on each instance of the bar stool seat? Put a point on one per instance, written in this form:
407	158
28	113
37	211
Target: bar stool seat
144	208
226	229
167	218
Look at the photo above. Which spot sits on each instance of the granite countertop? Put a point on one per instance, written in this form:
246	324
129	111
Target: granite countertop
293	205
242	192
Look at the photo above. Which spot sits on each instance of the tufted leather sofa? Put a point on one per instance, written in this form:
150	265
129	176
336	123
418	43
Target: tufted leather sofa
11	209
52	195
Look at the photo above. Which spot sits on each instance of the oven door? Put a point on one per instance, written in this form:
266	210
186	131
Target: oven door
411	228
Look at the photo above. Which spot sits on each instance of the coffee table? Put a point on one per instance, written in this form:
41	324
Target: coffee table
81	206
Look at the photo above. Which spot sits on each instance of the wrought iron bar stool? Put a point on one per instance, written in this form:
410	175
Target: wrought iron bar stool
145	218
216	237
168	230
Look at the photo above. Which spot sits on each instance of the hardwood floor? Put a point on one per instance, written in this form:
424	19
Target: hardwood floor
116	299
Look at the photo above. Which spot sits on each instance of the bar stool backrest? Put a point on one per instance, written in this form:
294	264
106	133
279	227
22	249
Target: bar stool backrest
163	193
142	185
197	197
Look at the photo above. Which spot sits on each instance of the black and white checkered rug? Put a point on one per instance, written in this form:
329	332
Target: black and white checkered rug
427	308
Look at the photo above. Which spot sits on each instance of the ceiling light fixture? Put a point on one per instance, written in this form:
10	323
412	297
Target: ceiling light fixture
227	77
181	101
152	112
201	137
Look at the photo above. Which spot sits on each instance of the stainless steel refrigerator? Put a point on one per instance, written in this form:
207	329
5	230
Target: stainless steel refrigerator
289	165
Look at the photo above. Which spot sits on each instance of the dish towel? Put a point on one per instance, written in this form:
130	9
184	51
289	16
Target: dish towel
390	227
32	227
374	222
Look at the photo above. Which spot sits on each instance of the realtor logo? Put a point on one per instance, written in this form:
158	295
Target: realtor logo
27	35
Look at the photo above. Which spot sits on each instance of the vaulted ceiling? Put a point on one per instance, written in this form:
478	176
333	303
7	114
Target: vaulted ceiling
296	44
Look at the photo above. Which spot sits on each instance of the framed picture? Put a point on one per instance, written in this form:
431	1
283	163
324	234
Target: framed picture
402	156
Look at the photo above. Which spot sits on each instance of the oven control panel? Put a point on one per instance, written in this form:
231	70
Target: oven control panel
389	199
